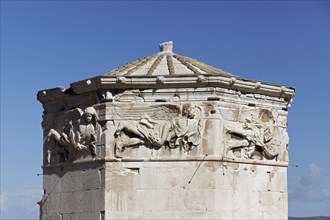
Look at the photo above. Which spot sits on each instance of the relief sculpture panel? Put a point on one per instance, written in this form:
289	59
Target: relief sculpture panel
76	133
161	128
175	130
256	137
76	139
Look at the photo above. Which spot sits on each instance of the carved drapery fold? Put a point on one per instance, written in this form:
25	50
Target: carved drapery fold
77	139
182	131
257	137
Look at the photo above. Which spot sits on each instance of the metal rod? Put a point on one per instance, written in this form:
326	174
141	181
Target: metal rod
197	169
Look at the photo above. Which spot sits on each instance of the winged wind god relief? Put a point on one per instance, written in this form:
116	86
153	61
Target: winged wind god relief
77	138
168	125
258	137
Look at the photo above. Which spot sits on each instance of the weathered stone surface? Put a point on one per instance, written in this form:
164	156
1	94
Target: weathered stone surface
240	188
146	141
56	216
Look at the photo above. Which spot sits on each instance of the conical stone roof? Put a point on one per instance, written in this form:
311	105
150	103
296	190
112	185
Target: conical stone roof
166	63
166	70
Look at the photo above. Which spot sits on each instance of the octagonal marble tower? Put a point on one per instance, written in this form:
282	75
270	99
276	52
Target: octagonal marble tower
165	137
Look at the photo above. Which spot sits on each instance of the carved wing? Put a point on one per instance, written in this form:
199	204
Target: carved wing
154	111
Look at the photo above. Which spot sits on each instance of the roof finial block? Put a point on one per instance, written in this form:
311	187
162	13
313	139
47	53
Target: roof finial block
166	46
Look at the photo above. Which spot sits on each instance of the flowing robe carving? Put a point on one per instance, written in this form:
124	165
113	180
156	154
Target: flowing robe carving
78	137
257	138
182	132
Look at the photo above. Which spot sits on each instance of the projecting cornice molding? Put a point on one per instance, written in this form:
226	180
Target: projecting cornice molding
188	81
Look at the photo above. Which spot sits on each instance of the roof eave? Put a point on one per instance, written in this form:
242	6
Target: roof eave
182	81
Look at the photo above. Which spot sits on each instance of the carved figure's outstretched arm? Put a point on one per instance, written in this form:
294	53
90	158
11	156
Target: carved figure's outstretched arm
53	133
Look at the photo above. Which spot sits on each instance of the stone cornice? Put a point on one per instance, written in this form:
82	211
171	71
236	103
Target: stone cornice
182	81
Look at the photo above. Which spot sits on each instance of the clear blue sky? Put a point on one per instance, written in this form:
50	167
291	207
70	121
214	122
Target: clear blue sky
45	44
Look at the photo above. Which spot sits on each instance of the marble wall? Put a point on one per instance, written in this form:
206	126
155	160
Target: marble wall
192	153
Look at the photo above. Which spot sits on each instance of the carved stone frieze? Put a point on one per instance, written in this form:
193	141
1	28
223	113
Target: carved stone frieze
169	129
77	139
257	136
180	128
